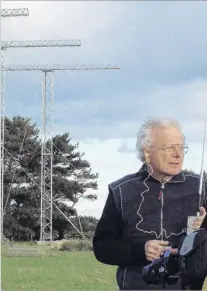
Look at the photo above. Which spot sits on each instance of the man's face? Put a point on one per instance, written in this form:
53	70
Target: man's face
165	156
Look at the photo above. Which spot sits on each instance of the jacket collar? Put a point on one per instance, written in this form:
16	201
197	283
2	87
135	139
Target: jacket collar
143	172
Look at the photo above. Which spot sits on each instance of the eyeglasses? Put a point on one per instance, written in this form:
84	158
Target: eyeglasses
170	149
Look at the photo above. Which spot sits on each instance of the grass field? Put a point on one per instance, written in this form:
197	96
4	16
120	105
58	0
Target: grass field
75	270
65	271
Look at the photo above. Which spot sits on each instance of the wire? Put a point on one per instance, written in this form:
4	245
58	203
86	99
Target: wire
14	159
8	196
53	201
163	230
20	149
28	174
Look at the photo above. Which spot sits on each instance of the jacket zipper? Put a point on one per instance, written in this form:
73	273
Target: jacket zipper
161	210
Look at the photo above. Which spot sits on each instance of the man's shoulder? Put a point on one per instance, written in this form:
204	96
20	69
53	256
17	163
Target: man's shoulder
190	177
125	179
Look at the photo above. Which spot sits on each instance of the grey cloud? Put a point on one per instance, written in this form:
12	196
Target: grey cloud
123	148
160	47
116	115
154	42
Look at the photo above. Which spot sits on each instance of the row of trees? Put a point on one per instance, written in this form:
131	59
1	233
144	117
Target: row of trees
72	180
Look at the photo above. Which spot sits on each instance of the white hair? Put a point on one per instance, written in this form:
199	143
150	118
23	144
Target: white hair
144	134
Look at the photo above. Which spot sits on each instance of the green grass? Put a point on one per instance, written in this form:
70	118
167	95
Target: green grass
58	271
64	271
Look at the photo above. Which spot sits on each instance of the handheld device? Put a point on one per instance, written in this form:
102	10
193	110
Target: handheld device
157	272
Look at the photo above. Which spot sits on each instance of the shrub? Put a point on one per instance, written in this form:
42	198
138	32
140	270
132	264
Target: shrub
73	245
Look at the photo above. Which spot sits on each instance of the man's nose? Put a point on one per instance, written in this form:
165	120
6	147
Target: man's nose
176	152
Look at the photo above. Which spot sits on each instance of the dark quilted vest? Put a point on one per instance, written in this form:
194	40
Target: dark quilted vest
179	202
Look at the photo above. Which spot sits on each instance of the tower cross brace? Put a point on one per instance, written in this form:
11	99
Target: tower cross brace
14	12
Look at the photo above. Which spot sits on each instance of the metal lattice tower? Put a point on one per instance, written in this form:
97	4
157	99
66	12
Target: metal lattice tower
2	141
47	148
5	13
46	158
46	212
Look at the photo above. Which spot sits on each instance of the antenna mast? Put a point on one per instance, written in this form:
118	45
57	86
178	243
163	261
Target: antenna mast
202	162
30	44
47	148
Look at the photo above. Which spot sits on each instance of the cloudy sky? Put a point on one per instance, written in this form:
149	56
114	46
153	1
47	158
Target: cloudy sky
161	50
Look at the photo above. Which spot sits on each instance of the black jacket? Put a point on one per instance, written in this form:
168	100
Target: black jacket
135	212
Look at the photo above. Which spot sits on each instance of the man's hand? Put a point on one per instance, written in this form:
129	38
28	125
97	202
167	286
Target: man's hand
155	248
198	221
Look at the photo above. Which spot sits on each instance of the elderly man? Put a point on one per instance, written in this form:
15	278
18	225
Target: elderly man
147	212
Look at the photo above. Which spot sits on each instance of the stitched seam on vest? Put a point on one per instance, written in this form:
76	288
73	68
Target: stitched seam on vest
114	196
122	210
137	178
194	177
124	277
